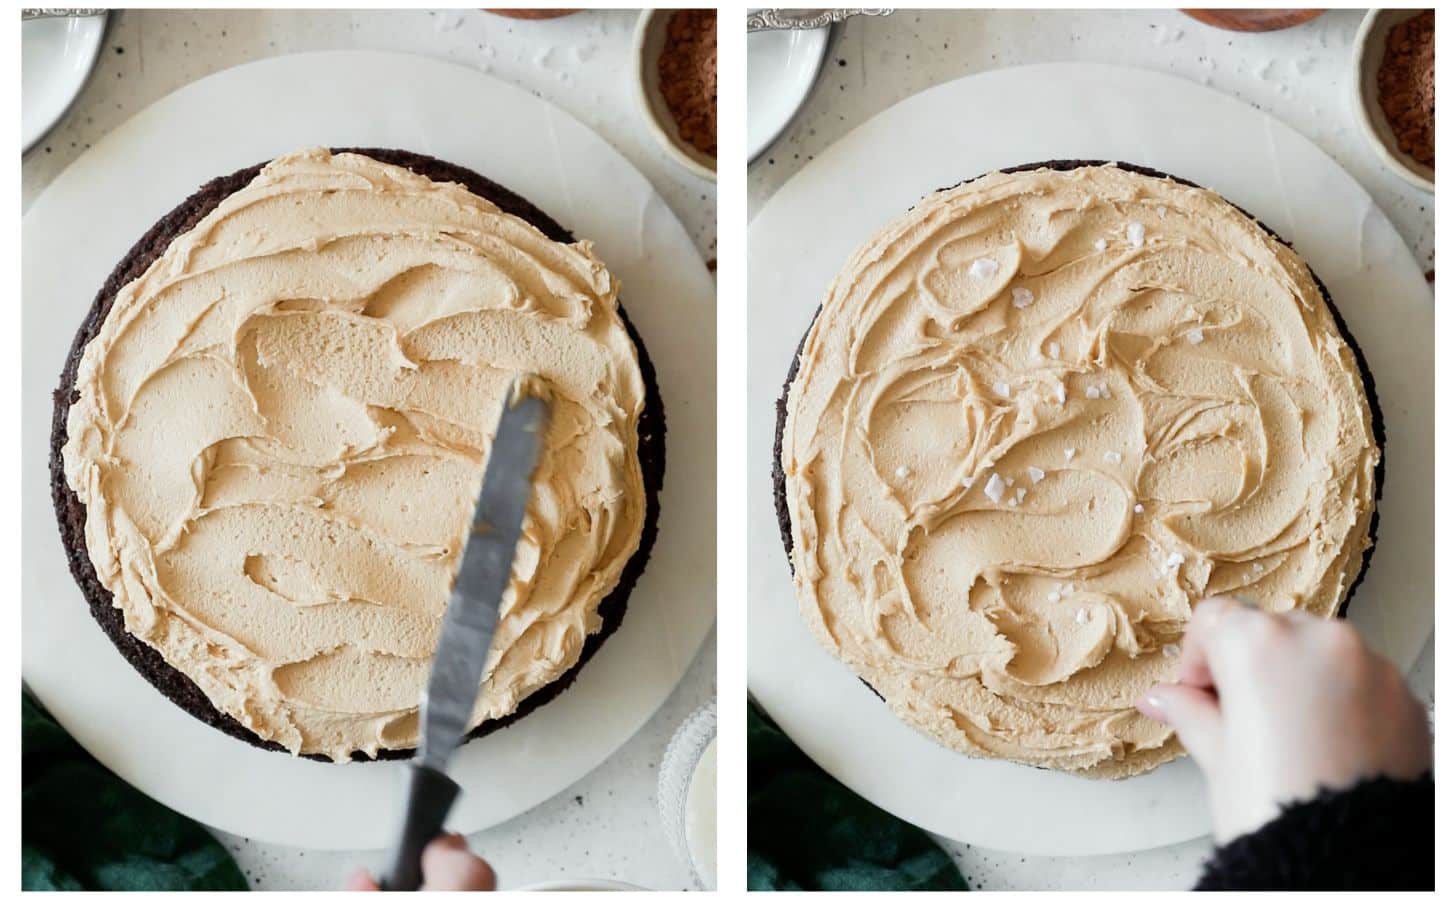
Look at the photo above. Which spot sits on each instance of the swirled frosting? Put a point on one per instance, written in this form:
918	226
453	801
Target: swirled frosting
1038	418
281	427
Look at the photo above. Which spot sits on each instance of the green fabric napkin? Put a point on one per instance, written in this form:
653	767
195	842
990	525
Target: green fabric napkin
808	832
82	828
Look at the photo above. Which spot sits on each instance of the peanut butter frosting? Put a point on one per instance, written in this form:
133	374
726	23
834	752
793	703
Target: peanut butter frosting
1038	419
281	429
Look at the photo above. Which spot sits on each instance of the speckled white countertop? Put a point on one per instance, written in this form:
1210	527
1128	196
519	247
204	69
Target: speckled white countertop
1299	75
606	825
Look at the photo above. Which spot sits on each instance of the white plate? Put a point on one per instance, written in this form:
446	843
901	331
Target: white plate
57	56
782	69
252	113
1067	111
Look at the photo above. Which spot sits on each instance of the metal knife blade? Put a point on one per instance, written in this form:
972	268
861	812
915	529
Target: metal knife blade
485	570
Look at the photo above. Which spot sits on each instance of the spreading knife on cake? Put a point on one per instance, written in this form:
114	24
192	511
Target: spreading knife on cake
468	627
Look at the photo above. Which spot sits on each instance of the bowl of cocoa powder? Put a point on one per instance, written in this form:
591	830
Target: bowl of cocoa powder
677	84
1395	90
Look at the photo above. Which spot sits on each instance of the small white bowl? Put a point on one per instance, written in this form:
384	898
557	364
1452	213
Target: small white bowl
687	794
1369	51
651	37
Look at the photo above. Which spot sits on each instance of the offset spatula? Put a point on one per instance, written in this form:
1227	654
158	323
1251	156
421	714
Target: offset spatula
466	633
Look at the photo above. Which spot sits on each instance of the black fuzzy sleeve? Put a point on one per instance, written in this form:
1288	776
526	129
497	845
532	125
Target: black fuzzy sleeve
1378	835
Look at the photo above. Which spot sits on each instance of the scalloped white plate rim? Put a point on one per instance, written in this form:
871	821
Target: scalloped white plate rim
960	129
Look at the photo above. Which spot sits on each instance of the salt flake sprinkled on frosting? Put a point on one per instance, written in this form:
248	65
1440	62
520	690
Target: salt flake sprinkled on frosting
1060	393
1136	233
1162	212
1002	389
1069	453
1137	507
968	482
1195	335
1174	560
1067	589
1083	616
985	267
1020	494
1054	597
995	487
1021	298
1092	392
1013	502
1112	456
1035	474
1100	244
902	472
1054	350
1104	391
1258	567
1172	651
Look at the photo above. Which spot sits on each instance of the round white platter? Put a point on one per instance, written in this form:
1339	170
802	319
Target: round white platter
56	58
1002	118
84	224
782	68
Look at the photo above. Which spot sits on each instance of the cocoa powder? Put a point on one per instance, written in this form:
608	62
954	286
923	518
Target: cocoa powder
687	72
1406	85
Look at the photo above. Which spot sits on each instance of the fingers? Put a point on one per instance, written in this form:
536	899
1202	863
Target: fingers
1193	712
361	880
1218	624
449	865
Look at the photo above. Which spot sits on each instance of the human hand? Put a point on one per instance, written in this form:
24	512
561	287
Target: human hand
448	865
1275	707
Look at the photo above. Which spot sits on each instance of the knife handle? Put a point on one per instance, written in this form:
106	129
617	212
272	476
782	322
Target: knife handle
429	794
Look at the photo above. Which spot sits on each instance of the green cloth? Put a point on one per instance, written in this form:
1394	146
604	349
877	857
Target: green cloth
808	832
82	828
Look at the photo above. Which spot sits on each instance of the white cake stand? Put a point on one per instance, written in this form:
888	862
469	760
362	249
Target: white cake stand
963	128
84	224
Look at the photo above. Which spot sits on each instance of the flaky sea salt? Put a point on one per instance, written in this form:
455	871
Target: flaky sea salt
902	472
1195	335
1067	589
1021	298
1054	597
1100	244
1258	567
1112	456
968	482
1137	507
1002	389
1054	350
1136	233
1035	474
1172	651
995	487
1083	616
1173	561
985	268
1060	393
1092	392
1020	494
1069	453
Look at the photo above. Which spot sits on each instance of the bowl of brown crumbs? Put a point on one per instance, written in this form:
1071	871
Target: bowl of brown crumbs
677	84
1395	90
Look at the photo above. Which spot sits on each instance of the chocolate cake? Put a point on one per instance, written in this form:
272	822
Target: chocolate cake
72	513
1112	763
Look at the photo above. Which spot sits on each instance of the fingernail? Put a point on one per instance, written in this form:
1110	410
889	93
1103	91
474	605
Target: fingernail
1152	706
